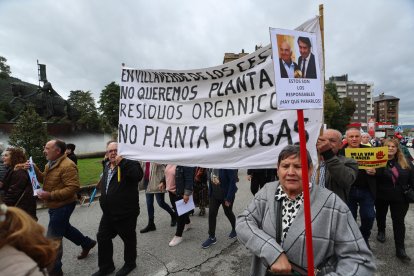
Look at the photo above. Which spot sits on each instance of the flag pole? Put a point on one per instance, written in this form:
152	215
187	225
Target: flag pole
306	194
322	28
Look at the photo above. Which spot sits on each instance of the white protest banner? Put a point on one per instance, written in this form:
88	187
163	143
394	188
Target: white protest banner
220	117
296	68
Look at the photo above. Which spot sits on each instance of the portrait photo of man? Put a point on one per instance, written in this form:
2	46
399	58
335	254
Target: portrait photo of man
288	68
306	60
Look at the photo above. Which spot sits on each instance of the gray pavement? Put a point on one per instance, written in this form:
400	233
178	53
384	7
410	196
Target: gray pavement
227	257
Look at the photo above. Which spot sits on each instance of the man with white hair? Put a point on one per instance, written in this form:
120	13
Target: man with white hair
335	172
365	139
363	191
287	65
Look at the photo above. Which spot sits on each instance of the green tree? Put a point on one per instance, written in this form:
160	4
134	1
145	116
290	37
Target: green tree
4	68
331	108
84	103
109	106
30	133
337	111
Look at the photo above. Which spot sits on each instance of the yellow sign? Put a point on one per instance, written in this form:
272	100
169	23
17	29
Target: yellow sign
368	157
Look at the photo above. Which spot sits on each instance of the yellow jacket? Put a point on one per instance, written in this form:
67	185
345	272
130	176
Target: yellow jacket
61	180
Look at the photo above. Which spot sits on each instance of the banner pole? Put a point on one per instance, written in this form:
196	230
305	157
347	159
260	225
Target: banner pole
306	194
322	28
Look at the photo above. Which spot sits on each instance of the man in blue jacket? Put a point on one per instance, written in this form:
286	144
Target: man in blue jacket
222	191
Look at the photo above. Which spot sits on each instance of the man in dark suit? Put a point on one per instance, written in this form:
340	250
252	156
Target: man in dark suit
306	61
287	66
120	209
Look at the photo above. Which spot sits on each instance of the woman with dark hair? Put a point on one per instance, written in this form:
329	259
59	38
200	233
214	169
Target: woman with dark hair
24	250
18	190
391	181
273	227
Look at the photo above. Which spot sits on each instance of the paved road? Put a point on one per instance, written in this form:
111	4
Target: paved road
227	257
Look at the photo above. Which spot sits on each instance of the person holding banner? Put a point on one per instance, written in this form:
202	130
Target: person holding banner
184	183
390	194
364	189
334	172
18	190
120	209
273	227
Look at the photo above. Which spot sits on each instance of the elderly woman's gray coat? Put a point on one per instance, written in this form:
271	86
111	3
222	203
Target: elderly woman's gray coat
337	242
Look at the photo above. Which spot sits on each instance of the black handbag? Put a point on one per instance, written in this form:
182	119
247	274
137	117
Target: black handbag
408	193
296	270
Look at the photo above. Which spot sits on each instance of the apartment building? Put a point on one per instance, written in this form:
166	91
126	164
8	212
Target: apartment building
361	93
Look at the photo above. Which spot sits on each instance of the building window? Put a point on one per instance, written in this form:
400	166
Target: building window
355	117
363	99
362	93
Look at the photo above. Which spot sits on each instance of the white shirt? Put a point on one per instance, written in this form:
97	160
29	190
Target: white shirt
289	69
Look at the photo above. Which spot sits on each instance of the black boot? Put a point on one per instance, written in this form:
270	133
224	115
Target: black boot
381	236
402	255
202	211
149	227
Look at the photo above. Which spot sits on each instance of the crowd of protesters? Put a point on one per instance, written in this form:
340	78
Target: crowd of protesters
339	190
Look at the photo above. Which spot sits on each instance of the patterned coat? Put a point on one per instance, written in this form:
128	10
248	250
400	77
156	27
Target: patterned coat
338	245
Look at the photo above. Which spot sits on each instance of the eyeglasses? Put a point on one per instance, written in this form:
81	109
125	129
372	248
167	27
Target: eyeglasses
112	151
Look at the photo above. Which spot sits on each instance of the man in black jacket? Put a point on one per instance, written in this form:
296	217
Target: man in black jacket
120	206
363	191
334	172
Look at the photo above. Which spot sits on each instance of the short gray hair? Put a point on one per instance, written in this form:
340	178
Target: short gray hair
293	150
352	128
337	133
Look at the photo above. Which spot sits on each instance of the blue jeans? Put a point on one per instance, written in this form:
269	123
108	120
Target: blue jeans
59	227
160	200
364	198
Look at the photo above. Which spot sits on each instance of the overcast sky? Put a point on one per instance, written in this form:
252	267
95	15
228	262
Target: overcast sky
84	42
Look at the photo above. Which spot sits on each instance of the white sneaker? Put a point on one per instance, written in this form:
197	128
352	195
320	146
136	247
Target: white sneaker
187	227
175	241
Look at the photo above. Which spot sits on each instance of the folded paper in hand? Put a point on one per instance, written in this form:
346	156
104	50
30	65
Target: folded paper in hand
183	208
